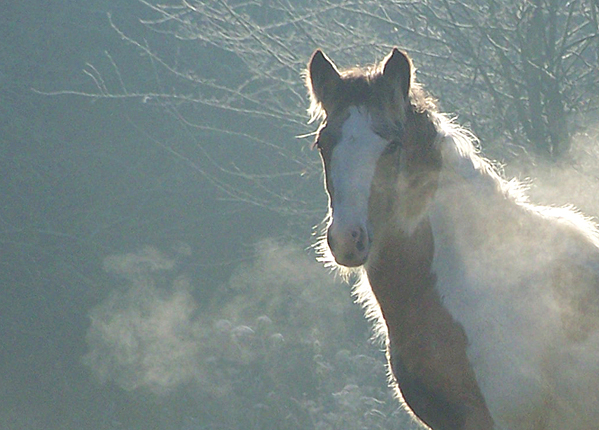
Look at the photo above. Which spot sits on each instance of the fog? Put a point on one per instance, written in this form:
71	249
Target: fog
159	210
279	344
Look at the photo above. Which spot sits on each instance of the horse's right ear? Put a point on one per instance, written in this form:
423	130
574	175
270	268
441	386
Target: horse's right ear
322	74
397	67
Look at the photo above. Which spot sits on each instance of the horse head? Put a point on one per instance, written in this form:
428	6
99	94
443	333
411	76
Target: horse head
376	146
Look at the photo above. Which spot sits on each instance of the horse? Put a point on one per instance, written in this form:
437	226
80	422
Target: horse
487	303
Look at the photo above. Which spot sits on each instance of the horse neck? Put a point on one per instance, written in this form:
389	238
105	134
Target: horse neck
465	197
399	268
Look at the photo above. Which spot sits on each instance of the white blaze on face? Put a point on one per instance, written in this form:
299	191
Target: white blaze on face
353	164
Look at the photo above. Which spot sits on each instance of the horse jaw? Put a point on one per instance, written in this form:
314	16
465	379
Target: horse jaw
352	169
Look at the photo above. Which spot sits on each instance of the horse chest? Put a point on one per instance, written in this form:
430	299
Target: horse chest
427	348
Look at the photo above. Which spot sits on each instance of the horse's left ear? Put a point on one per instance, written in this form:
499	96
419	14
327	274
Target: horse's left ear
397	67
322	75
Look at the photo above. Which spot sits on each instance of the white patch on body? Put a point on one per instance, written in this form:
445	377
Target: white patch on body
353	164
493	261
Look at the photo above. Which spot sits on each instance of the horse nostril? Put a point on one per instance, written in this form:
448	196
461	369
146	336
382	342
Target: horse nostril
360	245
359	236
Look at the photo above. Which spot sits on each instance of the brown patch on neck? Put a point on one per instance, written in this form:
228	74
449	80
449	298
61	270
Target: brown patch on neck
422	159
427	348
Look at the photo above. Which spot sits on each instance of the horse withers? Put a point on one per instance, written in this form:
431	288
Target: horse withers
489	305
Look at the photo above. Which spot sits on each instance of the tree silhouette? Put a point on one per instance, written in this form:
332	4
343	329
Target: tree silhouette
525	66
516	68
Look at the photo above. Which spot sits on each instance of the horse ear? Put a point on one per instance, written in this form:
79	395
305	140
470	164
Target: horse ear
322	73
397	67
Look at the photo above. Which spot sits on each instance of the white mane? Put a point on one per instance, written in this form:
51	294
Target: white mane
461	153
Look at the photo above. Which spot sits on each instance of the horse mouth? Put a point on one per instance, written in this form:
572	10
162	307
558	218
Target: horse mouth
350	260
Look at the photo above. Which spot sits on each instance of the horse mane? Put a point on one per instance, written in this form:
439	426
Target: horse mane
463	152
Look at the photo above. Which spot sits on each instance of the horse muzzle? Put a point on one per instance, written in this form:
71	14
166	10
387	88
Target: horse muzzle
349	243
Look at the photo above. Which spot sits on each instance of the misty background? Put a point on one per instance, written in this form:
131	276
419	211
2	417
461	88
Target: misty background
159	202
